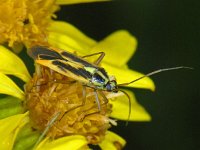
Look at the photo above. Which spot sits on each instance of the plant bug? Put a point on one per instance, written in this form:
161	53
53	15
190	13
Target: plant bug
89	74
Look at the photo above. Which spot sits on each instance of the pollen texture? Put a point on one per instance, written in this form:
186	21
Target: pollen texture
25	21
50	94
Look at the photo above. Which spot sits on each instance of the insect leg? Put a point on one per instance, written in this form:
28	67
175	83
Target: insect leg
84	96
82	104
84	100
129	101
97	100
102	54
104	97
37	86
49	125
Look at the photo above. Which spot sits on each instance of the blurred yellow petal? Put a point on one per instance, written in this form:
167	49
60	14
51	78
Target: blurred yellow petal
11	64
73	142
65	42
118	47
7	86
66	34
9	127
124	75
112	141
62	2
120	109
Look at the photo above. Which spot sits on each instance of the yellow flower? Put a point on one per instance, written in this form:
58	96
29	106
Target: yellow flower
26	21
112	45
23	25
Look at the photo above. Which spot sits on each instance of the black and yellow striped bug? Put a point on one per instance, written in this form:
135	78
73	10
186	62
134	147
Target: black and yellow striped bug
89	74
68	64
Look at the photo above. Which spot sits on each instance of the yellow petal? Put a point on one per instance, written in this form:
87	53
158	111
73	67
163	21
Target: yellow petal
118	47
9	127
7	86
73	142
124	75
62	2
63	33
13	65
65	42
120	109
112	141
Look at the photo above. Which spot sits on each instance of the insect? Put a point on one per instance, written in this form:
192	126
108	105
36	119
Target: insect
75	67
89	74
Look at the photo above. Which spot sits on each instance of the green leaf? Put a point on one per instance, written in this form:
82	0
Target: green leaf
10	106
11	64
26	138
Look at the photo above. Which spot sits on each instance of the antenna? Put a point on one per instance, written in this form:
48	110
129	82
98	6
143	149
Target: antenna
155	72
129	101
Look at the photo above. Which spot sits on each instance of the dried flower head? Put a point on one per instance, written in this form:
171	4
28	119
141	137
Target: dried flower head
49	93
21	23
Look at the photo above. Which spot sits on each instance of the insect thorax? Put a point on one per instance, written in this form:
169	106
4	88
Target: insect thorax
100	80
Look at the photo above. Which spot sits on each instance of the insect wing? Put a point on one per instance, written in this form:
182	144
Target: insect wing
62	62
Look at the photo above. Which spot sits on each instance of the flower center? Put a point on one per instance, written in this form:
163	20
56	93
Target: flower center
50	93
21	23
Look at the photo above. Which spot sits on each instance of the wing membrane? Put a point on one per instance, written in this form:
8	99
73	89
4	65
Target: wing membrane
62	62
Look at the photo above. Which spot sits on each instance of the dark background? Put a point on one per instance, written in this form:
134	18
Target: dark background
168	34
